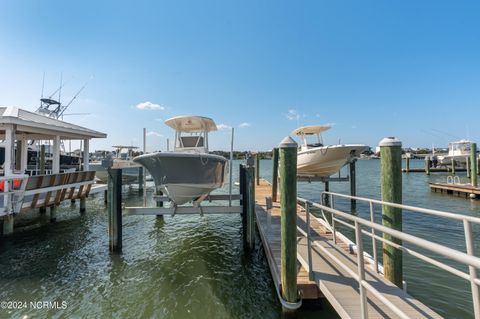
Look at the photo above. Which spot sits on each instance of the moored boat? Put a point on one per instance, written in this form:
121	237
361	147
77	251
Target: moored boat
318	160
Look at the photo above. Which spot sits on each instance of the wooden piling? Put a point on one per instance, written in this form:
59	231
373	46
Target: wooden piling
257	168
8	221
83	205
391	187
353	184
427	165
115	209
467	166
288	202
140	180
407	164
18	155
159	204
243	202
250	198
453	166
53	214
42	159
474	163
105	197
274	174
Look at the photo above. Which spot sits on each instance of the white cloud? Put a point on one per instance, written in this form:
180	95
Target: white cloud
149	106
292	115
244	124
223	127
153	133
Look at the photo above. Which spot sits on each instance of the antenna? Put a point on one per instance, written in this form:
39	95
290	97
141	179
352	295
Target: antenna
63	108
43	87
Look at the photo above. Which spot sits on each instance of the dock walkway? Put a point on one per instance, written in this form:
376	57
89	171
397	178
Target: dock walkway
330	280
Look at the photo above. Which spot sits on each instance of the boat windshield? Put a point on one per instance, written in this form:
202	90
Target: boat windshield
191	142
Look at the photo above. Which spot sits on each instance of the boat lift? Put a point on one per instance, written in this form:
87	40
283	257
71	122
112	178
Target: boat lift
196	206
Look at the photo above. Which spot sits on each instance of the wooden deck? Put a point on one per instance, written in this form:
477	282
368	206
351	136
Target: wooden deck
330	280
457	189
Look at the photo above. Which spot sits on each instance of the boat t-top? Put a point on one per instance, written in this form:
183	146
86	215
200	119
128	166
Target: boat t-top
189	173
318	160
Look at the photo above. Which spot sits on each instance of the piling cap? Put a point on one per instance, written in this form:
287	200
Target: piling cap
288	142
390	141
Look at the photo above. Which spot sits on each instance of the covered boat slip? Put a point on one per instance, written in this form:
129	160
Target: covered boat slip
19	191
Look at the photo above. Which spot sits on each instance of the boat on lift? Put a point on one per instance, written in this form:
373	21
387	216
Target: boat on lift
122	160
458	151
319	160
189	173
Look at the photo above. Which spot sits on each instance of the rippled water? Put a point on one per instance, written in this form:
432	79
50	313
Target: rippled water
195	267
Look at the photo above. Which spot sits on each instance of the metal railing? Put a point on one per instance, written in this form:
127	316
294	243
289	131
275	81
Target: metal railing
12	190
358	224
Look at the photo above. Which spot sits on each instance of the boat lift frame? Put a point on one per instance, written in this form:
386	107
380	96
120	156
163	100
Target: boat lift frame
197	208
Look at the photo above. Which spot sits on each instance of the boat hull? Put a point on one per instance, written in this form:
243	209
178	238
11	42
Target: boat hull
184	177
325	161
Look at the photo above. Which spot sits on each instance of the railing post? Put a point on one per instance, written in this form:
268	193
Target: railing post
361	271
309	243
391	186
288	201
115	209
473	164
473	271
269	206
374	241
274	174
353	184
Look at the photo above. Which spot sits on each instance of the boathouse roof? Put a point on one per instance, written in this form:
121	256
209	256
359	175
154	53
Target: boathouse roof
37	126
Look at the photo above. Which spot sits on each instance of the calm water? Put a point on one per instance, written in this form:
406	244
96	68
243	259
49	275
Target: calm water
195	267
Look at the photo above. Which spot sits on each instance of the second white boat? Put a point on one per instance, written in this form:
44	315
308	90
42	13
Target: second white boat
318	160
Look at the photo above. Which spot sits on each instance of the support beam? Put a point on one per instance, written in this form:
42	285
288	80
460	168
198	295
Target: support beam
140	180
274	174
24	156
467	164
8	221
453	166
86	154
407	164
115	209
56	155
288	202
391	187
9	150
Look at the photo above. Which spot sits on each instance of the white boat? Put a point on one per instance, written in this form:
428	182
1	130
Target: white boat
458	151
318	160
188	173
122	160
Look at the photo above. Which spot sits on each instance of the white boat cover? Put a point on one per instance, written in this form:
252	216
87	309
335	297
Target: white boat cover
311	130
191	124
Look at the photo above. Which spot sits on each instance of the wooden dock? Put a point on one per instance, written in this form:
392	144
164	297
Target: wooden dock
330	280
465	190
433	170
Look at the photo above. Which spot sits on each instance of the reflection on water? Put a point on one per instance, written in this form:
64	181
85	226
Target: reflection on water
195	267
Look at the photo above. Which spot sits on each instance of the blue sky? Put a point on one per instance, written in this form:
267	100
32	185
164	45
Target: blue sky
409	69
